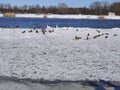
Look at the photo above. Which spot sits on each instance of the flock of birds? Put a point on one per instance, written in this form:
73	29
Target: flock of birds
36	31
76	37
94	37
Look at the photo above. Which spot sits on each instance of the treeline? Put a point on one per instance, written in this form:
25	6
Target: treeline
96	8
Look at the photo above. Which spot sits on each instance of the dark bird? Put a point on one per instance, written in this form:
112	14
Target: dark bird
23	31
37	31
30	31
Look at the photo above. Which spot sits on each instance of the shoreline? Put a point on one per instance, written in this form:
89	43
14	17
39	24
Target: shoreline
58	16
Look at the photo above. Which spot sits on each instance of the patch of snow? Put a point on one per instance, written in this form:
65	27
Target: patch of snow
112	17
30	15
1	15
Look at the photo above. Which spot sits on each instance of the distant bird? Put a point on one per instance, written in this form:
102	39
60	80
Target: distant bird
107	33
23	31
30	31
43	31
115	34
76	37
76	29
50	31
106	36
87	38
96	36
88	34
98	31
37	31
102	34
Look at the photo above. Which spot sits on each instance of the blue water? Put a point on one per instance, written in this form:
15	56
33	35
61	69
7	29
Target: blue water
43	22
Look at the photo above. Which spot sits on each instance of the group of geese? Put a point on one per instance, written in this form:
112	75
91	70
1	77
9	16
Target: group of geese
76	37
94	37
30	31
36	31
48	28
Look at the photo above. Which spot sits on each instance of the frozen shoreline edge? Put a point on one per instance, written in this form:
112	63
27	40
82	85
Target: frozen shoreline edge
42	81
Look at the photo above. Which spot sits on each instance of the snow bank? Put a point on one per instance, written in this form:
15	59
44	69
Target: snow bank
73	16
58	55
112	17
29	15
65	16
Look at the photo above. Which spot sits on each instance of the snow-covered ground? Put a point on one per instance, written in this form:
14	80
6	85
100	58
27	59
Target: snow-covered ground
59	56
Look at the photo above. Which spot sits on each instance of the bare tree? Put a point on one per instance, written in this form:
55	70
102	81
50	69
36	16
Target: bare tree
96	7
105	7
62	8
115	7
62	5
